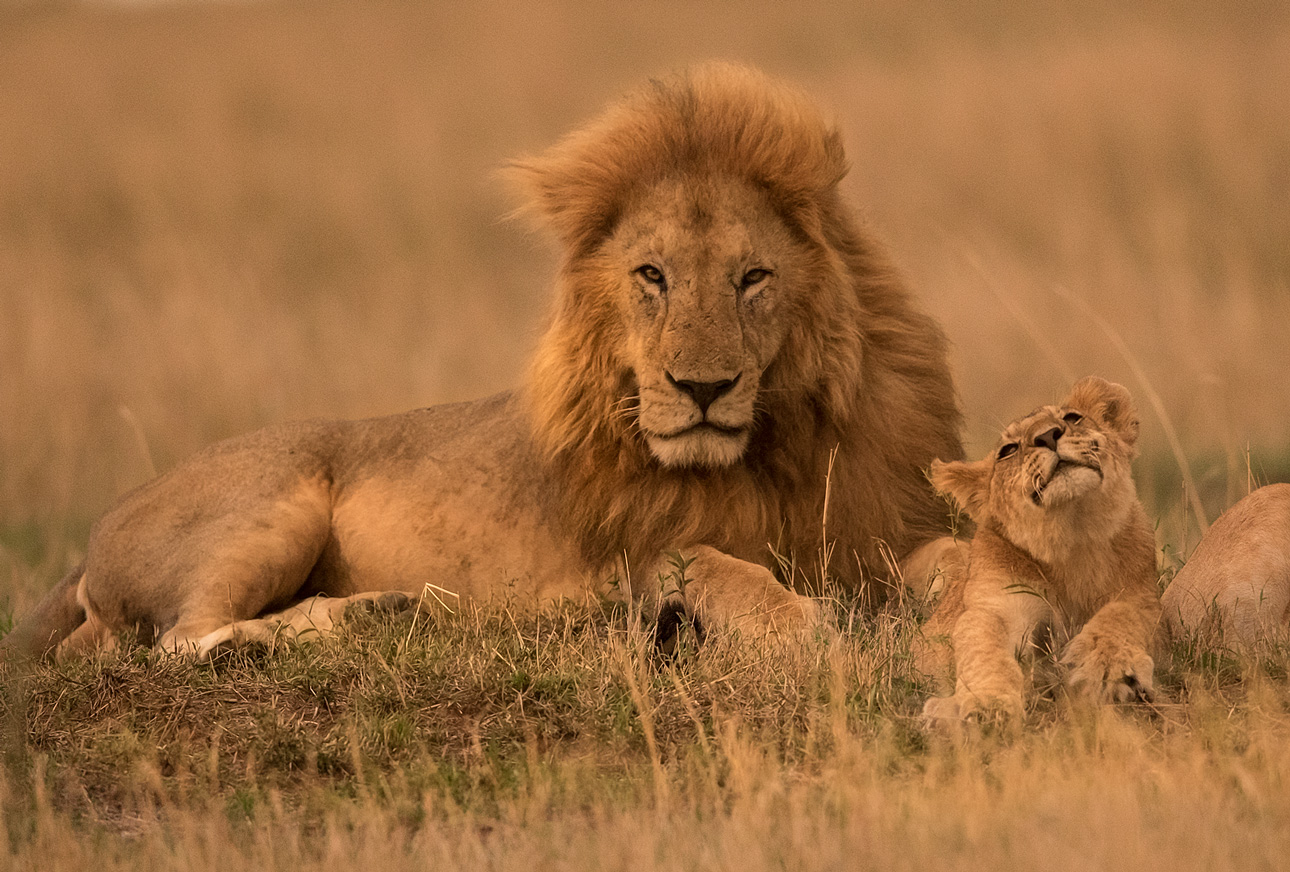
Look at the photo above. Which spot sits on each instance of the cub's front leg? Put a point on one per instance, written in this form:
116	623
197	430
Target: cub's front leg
987	638
1109	659
719	592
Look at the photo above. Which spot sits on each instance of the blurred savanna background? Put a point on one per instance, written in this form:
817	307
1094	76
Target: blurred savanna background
218	215
214	216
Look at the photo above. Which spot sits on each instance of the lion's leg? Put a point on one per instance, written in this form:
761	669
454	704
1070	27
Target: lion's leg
243	577
936	567
228	556
987	639
1109	659
93	636
721	592
313	617
937	571
232	597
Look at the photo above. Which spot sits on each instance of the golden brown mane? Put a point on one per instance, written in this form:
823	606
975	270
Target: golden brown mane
862	371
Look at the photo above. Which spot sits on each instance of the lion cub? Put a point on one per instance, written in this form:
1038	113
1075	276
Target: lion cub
1062	544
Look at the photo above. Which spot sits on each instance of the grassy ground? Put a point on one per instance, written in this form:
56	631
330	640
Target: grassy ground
216	216
500	740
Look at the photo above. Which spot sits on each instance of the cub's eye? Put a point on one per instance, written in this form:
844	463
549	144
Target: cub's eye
753	277
651	274
1007	450
1072	417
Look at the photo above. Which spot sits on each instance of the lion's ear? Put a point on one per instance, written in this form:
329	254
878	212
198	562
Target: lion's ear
1109	403
968	484
576	200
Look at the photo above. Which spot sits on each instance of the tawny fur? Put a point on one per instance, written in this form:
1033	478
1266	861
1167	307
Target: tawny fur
723	328
1062	544
1237	582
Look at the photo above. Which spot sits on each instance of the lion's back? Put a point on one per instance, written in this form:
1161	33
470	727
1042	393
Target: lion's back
1240	571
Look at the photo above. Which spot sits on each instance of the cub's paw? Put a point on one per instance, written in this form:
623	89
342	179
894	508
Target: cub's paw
964	706
1105	670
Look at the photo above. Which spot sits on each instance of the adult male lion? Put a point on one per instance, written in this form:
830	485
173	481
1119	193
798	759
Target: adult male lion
724	335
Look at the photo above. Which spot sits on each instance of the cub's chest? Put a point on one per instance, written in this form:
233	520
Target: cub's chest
1075	582
1080	586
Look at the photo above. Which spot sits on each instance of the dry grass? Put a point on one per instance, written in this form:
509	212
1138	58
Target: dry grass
217	216
495	740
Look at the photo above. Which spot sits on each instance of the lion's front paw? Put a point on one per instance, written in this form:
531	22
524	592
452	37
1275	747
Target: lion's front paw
964	706
1106	670
259	636
797	616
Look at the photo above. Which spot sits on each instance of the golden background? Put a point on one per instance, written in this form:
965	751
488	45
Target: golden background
216	216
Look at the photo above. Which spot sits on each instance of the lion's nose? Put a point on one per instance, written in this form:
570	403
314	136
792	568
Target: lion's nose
704	393
1048	439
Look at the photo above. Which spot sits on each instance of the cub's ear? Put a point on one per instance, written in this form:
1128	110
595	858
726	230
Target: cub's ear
968	484
1108	402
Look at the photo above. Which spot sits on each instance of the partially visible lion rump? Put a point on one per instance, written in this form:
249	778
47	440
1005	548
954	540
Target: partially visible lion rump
1236	584
725	334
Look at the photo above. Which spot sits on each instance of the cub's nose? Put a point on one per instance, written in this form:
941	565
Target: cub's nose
1048	439
704	393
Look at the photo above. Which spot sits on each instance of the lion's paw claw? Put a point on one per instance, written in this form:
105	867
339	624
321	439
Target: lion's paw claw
1107	672
963	707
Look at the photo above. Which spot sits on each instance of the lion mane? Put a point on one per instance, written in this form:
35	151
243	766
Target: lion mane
852	410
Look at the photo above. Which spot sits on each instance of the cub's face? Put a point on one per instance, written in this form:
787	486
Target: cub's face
706	278
1064	463
1049	458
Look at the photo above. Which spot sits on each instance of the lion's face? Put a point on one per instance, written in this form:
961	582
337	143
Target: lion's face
1059	465
704	275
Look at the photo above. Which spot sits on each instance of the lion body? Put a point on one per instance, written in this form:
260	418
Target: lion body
1064	546
731	359
1237	581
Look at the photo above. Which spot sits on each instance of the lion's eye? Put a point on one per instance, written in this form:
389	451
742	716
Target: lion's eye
1007	450
753	277
650	273
1072	417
